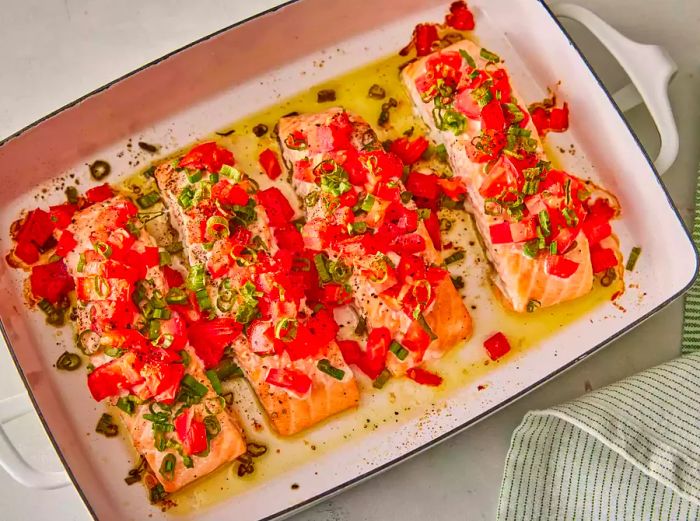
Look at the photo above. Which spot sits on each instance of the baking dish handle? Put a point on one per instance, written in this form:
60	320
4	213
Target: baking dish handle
10	458
649	67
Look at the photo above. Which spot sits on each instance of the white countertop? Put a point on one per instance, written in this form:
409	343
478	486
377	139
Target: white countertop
53	51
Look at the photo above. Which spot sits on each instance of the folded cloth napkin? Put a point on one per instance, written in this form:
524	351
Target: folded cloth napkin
629	451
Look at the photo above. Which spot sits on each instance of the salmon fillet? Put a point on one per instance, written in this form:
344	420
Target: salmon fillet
102	244
272	349
523	276
445	314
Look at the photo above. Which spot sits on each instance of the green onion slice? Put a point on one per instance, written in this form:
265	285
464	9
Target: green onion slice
634	256
400	351
68	361
217	227
324	365
106	426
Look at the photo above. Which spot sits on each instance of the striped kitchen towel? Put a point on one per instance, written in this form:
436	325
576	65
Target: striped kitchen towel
627	452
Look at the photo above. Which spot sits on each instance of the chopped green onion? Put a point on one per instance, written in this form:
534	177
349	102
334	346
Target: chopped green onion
176	296
455	257
553	248
288	326
367	203
632	261
426	327
161	313
128	403
195	278
68	361
311	198
423	213
532	305
545	223
164	258
400	351
212	425
531	248
382	379
217	227
148	200
406	197
214	380
103	249
153	329
320	263
324	365
489	56
339	271
157	493
81	263
570	217
358	227
112	351
232	173
106	426
203	299
468	58
194	386
482	95
195	176
228	369
167	467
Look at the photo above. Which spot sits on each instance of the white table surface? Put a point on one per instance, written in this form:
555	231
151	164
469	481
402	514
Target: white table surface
53	51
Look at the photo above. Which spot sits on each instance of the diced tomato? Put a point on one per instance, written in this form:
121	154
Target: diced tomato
277	207
99	193
432	225
467	105
163	380
228	193
409	151
191	432
348	199
424	186
373	360
357	173
492	117
270	164
540	119
416	339
51	281
559	119
500	233
341	129
423	377
209	338
600	209
489	145
36	229
383	165
207	156
596	229
66	243
175	327
497	345
289	238
535	204
424	36
501	85
524	230
350	350
173	277
560	266
404	219
460	17
331	294
291	379
27	252
452	187
409	243
62	214
501	176
603	259
114	377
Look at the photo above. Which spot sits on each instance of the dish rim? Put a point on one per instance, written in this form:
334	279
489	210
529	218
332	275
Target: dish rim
456	430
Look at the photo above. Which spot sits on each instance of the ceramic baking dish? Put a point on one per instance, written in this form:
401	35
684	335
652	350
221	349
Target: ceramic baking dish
244	68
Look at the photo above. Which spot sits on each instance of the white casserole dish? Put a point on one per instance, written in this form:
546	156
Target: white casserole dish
156	105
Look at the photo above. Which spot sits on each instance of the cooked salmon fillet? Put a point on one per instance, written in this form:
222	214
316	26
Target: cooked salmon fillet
446	314
108	318
482	138
283	371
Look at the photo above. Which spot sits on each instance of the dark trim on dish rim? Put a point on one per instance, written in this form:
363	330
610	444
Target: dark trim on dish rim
357	480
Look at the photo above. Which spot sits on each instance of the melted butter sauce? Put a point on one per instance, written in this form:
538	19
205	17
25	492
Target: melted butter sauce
401	399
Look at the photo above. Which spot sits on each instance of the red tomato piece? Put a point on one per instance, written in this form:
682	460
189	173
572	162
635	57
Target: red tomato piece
289	238
228	193
409	151
497	345
99	193
173	277
277	207
416	339
492	117
596	229
524	230
207	156
559	119
66	244
351	351
500	233
460	17
409	243
600	209
404	219
467	105
163	380
489	145
348	199
62	214
603	259
501	85
114	377
424	186
374	359
432	225
270	164
560	266
423	377
424	36
452	188
27	252
51	281
291	379
384	165
209	338
37	228
192	433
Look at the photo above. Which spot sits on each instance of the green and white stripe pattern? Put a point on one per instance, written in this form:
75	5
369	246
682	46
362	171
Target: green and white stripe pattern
628	452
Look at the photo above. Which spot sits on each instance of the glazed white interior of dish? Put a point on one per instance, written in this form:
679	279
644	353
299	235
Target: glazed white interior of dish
240	71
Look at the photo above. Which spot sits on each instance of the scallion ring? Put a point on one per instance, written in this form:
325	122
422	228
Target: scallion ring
217	227
68	361
212	425
167	467
286	329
